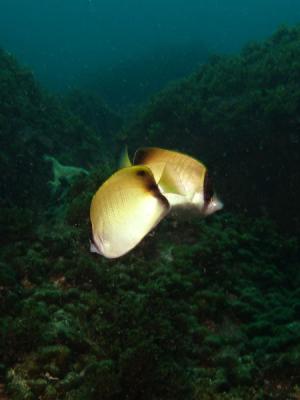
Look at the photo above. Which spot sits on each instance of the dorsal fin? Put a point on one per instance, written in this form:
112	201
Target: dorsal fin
124	160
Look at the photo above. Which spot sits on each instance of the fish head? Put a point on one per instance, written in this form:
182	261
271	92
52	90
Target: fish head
211	202
100	246
215	204
125	208
96	245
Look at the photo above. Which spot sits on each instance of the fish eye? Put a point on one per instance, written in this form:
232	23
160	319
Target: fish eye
208	188
141	173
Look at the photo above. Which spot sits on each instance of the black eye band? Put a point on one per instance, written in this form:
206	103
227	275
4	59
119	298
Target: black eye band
208	188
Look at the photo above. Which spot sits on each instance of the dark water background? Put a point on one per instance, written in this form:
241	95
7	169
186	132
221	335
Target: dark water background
65	42
201	309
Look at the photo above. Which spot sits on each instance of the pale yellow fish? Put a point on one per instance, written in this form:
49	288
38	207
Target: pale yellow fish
124	209
182	179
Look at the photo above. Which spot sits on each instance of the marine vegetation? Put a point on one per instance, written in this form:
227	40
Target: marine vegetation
212	311
62	172
202	309
96	114
239	114
32	124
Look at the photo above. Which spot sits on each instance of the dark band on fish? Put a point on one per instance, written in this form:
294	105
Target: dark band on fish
140	156
141	172
208	188
152	187
154	190
163	200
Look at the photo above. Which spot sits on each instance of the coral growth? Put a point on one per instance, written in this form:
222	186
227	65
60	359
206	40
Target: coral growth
63	172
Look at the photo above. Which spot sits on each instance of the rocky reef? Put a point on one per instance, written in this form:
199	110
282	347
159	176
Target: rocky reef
96	114
239	114
201	309
34	123
210	313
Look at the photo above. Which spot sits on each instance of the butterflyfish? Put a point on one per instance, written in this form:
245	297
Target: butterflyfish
126	207
182	179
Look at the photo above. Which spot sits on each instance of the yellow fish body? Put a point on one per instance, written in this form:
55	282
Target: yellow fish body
135	198
182	179
124	209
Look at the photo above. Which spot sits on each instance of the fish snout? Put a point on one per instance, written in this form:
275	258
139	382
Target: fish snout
214	205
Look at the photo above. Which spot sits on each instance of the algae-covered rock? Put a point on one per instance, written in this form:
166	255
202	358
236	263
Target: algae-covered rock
96	114
59	354
33	124
201	310
96	329
19	387
239	115
50	393
38	386
63	172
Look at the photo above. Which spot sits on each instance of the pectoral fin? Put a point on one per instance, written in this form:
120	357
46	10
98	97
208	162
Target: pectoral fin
170	182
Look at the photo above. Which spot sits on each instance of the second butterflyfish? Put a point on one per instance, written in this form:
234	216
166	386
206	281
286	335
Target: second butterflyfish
182	179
